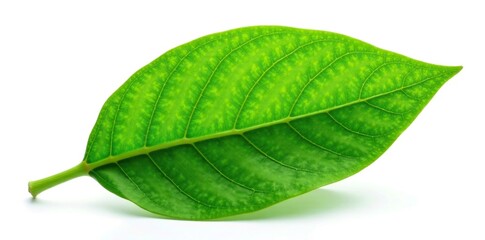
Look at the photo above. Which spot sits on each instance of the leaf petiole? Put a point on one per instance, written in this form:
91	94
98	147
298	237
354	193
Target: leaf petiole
38	186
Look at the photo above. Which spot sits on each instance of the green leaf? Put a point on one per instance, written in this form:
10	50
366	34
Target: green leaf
240	120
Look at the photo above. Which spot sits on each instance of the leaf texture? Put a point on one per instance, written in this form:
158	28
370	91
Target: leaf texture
240	120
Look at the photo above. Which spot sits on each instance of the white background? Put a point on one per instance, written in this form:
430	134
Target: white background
59	61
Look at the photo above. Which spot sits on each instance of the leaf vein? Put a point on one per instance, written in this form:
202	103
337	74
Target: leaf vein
267	70
374	71
350	129
273	159
160	93
215	70
223	175
116	115
410	96
177	186
383	109
136	185
316	144
96	132
318	74
165	145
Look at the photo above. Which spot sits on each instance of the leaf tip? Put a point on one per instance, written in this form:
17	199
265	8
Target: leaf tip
450	71
455	69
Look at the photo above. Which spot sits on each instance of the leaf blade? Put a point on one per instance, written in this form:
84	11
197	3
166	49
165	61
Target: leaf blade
310	115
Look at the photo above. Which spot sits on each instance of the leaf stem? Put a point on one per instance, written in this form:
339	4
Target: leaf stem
38	186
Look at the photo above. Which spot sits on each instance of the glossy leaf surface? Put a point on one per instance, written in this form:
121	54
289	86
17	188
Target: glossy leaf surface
237	121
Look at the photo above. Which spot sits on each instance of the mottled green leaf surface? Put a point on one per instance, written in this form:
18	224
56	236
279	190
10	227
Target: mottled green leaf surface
237	121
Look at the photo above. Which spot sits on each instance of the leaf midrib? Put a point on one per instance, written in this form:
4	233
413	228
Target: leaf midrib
234	131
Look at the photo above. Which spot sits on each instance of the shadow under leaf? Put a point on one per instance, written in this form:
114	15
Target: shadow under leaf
314	203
